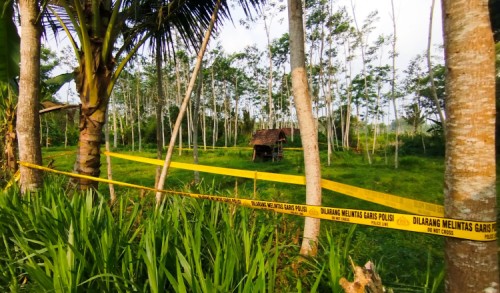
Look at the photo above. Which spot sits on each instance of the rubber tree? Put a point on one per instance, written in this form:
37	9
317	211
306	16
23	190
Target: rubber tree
307	124
470	176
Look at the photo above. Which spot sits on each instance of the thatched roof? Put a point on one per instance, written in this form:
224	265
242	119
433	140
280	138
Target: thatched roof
288	131
268	137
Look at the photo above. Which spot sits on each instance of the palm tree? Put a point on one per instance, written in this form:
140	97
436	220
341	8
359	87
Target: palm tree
470	177
105	35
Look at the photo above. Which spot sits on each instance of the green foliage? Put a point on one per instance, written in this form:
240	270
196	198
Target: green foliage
60	244
421	144
400	256
9	45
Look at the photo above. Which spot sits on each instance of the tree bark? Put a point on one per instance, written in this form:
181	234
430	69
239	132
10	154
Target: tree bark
88	153
28	119
307	124
470	189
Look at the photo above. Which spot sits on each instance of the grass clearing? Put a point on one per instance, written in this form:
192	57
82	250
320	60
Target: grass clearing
407	261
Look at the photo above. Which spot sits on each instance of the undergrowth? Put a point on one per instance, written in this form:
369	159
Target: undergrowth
55	242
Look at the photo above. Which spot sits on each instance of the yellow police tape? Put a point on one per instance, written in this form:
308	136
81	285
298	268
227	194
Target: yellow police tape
233	148
396	202
15	178
471	230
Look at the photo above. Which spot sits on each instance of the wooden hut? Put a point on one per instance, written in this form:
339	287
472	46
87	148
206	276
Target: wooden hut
268	143
288	131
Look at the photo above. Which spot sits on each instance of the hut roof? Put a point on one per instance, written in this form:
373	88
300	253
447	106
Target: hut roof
288	131
268	137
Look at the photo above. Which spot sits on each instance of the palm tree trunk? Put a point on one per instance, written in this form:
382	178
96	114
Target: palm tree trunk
307	123
88	159
470	177
28	119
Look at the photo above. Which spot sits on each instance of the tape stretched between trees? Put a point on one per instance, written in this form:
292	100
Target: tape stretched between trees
235	148
396	202
471	230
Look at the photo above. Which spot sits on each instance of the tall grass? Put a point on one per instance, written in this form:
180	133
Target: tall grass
52	243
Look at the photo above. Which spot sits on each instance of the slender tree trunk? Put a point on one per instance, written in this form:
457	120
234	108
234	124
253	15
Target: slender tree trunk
189	124
182	110
214	115
115	130
204	121
236	116
270	80
138	105
196	120
470	188
28	119
307	124
431	72
393	88
122	131
131	116
178	82
112	195
159	106
226	114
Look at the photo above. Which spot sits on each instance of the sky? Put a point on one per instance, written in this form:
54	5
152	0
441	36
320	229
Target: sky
412	25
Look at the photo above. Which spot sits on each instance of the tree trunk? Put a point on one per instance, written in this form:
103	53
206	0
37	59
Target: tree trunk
204	128
236	116
270	80
393	88
431	72
196	122
307	124
215	129
159	106
112	194
28	119
178	83
88	153
138	108
470	189
182	110
115	128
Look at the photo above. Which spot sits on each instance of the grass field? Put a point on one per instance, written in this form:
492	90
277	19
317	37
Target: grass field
407	261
